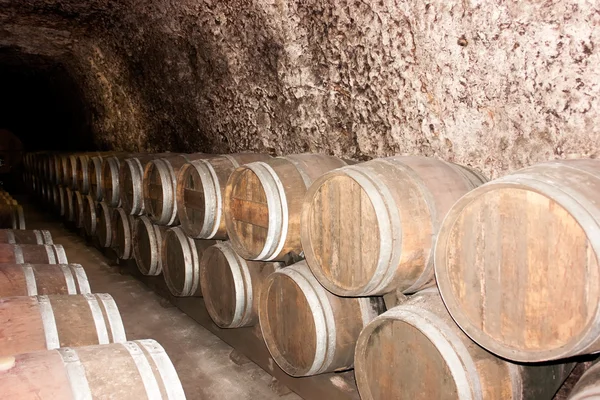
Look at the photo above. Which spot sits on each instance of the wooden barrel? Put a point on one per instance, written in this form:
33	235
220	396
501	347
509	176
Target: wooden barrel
200	192
131	176
20	236
64	167
263	201
307	329
78	207
416	351
139	369
63	208
69	205
89	215
95	176
588	386
370	229
122	233
70	177
231	285
147	247
11	217
48	322
57	168
32	253
160	184
104	231
42	279
111	167
517	262
82	177
181	262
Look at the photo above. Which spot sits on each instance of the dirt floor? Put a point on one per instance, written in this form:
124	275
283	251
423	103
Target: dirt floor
201	359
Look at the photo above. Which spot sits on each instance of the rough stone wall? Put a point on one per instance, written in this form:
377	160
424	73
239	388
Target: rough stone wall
492	84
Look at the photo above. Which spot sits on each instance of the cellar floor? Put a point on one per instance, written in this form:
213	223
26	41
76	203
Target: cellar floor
202	360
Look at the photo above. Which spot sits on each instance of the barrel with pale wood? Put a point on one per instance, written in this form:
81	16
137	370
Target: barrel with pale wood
69	205
11	216
416	351
160	184
33	323
111	167
89	215
181	262
138	370
21	236
370	229
78	208
517	262
131	176
32	253
588	386
122	225
104	231
231	285
263	201
201	190
42	279
307	329
147	246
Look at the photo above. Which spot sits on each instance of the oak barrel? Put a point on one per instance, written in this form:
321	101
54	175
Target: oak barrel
33	323
95	176
11	216
122	225
160	184
104	229
263	201
517	262
147	245
78	208
588	386
139	369
231	285
370	229
307	329
181	262
42	279
200	192
110	180
20	236
63	207
82	176
32	253
416	351
131	175
69	205
70	177
90	220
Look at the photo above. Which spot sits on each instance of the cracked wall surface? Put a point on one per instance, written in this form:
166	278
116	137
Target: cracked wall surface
492	84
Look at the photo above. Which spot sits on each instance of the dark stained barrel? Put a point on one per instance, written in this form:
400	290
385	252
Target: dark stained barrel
104	230
19	236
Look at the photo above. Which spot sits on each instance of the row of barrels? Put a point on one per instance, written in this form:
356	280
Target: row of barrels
387	227
58	338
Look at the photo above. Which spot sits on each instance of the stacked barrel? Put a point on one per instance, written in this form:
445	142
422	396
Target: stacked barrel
58	338
414	271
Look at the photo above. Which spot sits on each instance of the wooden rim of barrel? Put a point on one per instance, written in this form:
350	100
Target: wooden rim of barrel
182	279
208	203
148	242
266	185
524	199
122	233
318	320
75	278
89	215
588	385
238	275
130	185
110	181
158	180
104	227
95	176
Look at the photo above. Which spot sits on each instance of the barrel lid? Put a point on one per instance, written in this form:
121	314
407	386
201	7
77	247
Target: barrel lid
517	270
340	231
218	286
